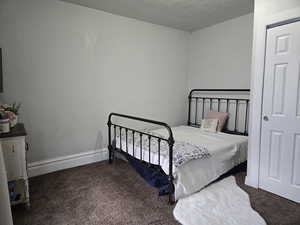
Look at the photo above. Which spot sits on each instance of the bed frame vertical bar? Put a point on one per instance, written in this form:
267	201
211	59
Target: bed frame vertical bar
115	134
110	159
246	118
149	137
189	111
203	107
141	146
171	178
196	112
236	114
120	130
133	142
227	105
159	140
126	130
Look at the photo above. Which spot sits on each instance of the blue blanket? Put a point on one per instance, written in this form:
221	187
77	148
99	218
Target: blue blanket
153	174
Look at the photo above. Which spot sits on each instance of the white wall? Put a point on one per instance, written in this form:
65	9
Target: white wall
220	55
70	66
264	10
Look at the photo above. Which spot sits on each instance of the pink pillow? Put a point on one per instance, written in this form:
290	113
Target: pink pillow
221	116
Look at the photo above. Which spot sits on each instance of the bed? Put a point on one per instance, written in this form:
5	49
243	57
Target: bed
163	155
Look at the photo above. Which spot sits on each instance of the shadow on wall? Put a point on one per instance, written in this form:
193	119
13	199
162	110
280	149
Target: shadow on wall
100	143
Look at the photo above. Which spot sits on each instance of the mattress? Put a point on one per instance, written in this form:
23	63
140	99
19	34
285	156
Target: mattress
226	150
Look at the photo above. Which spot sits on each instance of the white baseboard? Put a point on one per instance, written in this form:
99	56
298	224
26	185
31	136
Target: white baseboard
65	162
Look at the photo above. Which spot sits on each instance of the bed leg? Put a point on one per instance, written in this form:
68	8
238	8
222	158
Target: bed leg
171	178
171	199
172	194
110	147
110	155
111	152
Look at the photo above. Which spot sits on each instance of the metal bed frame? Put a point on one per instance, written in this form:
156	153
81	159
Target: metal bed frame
170	140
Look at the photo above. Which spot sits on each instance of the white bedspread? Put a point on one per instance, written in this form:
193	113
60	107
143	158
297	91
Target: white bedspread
226	152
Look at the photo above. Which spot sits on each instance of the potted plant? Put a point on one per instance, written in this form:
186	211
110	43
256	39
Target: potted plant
12	112
4	122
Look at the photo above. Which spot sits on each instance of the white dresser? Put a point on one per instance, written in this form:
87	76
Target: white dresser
14	150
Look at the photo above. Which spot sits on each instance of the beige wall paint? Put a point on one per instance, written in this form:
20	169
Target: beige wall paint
220	55
70	66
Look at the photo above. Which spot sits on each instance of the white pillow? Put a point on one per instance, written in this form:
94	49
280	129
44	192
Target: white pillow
209	125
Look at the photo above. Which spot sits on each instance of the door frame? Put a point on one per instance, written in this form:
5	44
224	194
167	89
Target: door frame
257	84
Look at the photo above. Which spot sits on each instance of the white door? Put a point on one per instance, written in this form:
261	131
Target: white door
280	139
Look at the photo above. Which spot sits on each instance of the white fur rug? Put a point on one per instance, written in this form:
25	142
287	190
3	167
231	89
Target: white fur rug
221	203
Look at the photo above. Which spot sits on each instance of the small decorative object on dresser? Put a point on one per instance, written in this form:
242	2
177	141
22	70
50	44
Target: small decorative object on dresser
4	123
11	112
14	151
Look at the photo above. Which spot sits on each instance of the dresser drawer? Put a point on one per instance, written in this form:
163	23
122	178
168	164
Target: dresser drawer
14	158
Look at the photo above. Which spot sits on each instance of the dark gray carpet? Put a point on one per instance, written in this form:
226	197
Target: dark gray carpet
115	195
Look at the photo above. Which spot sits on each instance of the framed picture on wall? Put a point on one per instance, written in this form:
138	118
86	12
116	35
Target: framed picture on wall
1	72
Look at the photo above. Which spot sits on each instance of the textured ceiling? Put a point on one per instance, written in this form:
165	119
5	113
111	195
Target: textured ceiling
187	15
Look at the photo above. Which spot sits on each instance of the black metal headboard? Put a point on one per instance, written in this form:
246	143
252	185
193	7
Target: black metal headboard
232	101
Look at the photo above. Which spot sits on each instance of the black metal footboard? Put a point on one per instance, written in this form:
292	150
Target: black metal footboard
129	131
